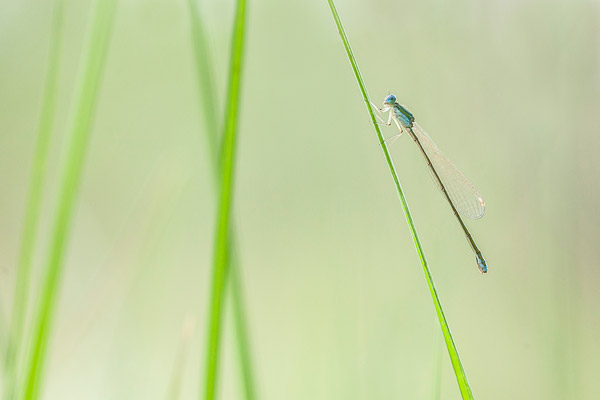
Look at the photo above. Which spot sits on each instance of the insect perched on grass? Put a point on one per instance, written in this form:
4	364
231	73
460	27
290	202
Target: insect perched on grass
462	196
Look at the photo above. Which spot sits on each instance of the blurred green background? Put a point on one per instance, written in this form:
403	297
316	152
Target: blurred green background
337	303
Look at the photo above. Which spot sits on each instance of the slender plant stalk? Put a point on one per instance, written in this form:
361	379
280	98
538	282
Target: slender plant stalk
32	211
206	85
222	241
241	330
208	95
461	377
85	102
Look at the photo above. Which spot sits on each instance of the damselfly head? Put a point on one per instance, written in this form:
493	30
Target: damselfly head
390	100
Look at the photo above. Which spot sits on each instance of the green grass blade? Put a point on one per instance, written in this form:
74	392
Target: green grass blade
85	101
241	330
463	384
32	211
208	96
221	252
206	85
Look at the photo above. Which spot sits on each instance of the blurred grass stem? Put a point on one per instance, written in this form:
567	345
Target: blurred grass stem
206	85
208	97
204	71
32	210
222	255
94	54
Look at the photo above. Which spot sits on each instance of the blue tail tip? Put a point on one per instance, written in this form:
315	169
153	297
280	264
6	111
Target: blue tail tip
481	264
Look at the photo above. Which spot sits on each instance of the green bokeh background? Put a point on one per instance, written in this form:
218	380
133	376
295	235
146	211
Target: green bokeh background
337	303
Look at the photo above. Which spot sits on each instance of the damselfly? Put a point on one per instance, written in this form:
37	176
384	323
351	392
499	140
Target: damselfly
462	196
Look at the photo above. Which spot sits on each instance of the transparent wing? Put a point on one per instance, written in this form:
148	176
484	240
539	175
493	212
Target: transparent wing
464	195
